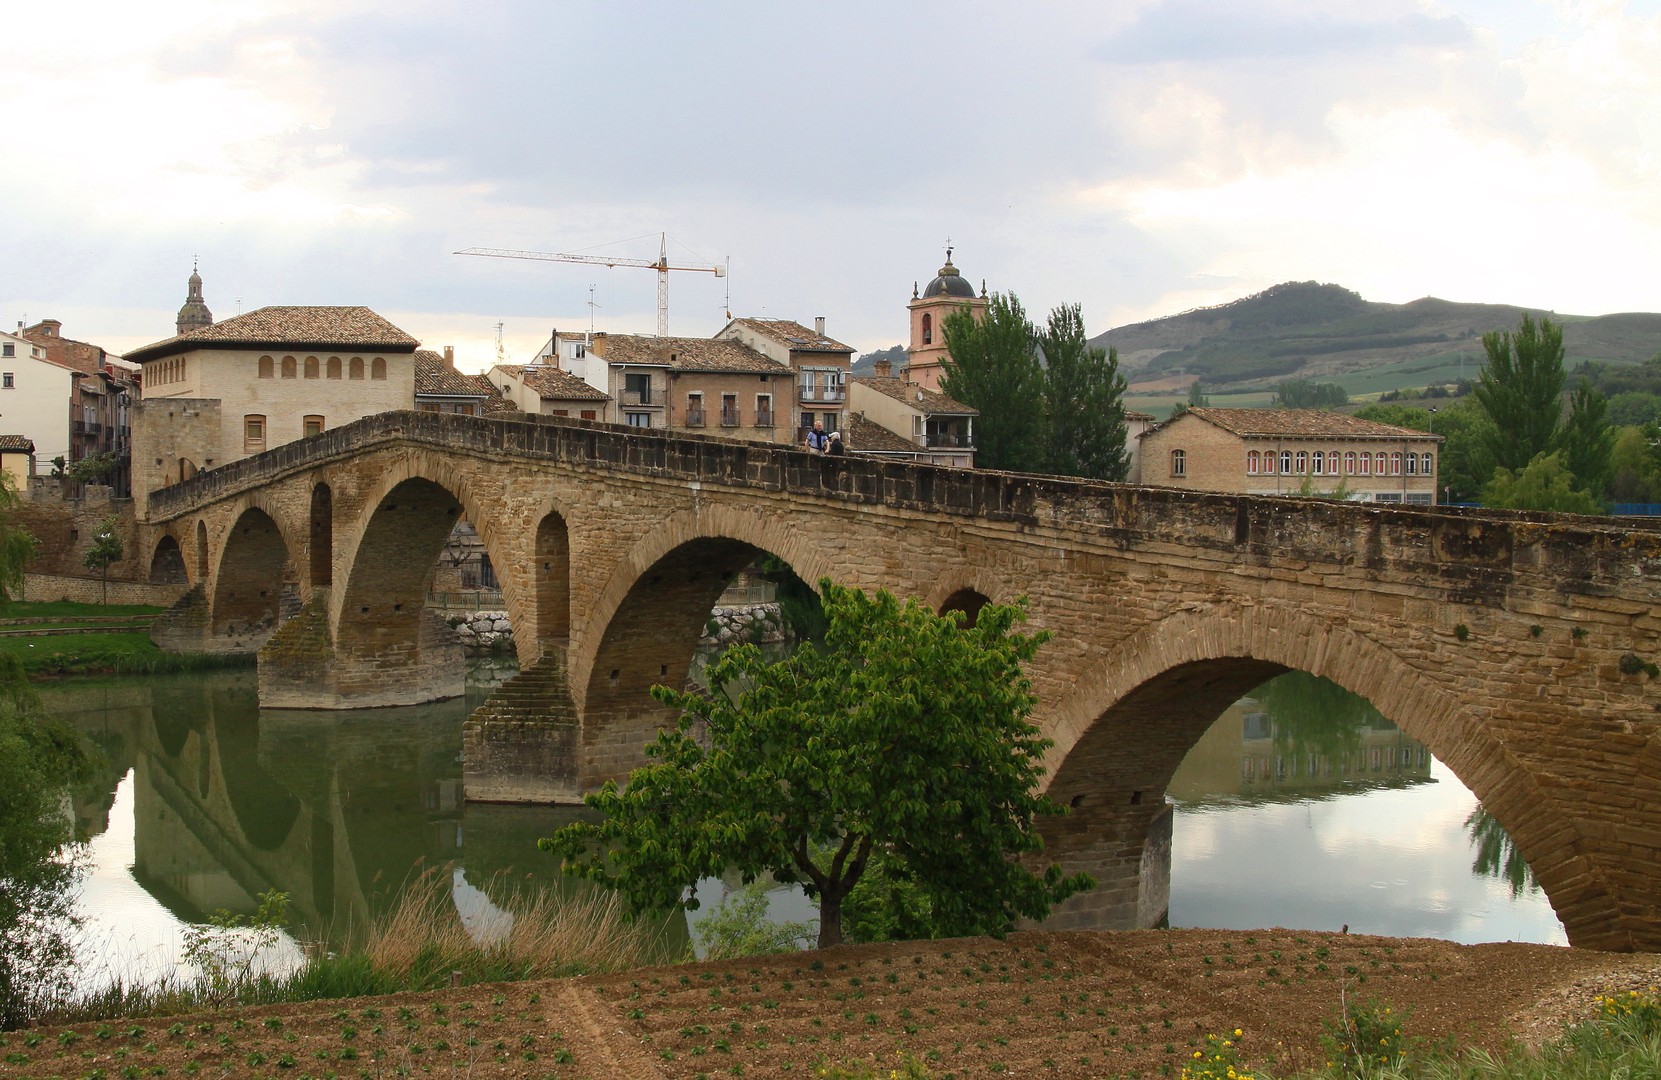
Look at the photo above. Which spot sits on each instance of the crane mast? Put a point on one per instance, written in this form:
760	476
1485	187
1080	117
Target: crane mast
661	264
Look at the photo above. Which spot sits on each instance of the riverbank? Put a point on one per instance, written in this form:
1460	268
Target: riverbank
1077	1004
62	637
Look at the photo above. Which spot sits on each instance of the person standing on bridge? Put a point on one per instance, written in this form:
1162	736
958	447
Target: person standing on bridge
817	440
836	446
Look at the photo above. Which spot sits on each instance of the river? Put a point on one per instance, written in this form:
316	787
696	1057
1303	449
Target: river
205	801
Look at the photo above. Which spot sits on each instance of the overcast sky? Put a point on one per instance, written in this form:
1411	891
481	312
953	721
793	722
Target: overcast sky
1139	157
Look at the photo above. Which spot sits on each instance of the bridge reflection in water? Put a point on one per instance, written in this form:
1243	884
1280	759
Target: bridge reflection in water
338	810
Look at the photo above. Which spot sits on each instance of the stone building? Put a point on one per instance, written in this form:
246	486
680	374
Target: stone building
103	389
715	385
239	387
439	387
546	390
1291	452
947	294
939	429
819	364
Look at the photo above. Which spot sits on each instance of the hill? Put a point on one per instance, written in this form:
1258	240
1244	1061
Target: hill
1303	329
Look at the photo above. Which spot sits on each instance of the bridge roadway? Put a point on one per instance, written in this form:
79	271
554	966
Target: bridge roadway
1515	646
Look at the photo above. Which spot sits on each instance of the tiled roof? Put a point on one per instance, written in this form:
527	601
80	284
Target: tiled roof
553	383
920	398
866	436
318	327
1131	414
686	354
795	335
433	376
1302	423
17	442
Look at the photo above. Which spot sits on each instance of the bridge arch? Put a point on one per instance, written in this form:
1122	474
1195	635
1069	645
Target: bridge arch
167	562
254	564
652	609
1121	735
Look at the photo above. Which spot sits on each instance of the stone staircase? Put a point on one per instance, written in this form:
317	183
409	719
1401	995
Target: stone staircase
522	744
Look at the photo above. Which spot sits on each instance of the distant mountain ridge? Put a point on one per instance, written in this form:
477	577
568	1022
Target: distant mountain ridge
1304	329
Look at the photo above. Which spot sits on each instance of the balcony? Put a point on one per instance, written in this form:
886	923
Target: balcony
86	427
638	397
729	417
948	440
823	393
694	418
764	418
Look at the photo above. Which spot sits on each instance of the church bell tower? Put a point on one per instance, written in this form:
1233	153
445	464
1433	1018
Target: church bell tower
946	294
195	314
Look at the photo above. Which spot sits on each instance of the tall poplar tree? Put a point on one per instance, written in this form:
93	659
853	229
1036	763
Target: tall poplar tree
1589	440
1521	390
1084	414
994	368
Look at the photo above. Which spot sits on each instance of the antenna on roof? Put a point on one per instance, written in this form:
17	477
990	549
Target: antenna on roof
728	276
592	307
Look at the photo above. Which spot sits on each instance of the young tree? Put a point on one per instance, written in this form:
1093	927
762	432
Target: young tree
903	737
1521	390
17	546
994	368
105	549
1543	484
1588	440
1084	414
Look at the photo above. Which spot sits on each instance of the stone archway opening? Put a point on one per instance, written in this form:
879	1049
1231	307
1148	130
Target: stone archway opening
968	601
552	567
322	536
167	563
254	572
201	551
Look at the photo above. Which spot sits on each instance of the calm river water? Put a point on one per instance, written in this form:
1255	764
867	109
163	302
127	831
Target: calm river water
1301	807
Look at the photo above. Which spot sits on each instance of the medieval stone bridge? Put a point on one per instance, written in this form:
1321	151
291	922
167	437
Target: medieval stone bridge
1515	647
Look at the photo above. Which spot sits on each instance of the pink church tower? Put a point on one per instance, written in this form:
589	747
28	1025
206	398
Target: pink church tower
946	294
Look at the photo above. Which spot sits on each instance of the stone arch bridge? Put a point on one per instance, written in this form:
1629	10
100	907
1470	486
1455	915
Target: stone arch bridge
1516	647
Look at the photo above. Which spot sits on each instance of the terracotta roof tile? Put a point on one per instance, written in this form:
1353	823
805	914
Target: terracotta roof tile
795	335
17	442
866	436
918	397
1305	423
434	376
320	327
686	354
554	384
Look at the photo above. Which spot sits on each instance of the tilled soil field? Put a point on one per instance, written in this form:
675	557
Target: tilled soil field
1038	1004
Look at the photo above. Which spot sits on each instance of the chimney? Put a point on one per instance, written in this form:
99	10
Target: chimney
450	357
884	369
819	326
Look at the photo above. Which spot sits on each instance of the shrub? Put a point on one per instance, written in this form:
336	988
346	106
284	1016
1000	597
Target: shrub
1366	1039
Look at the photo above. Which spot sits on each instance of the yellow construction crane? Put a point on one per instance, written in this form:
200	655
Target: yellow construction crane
661	265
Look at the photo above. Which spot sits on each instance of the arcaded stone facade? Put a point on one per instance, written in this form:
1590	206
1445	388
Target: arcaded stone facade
1511	644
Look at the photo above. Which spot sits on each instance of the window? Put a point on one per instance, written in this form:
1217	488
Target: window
290	367
1319	460
1427	465
1179	463
1303	462
268	367
1395	464
637	389
377	368
1349	463
764	410
1381	464
559	412
1251	463
334	367
312	425
695	410
928	329
588	414
253	433
7	382
638	419
729	410
357	367
8	348
1412	464
313	369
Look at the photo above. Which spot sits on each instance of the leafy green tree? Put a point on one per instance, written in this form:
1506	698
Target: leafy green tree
1303	394
1496	853
904	736
1588	440
94	468
40	759
17	545
1632	408
1543	484
1463	467
994	368
1084	412
1635	463
1521	390
1196	396
106	548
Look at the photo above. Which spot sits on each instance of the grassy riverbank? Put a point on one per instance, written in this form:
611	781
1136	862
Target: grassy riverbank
1075	1005
57	638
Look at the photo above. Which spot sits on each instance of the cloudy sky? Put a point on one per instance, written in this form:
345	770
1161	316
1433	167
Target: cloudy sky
1139	157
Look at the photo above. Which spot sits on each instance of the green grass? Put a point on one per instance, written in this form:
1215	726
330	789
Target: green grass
112	653
58	609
